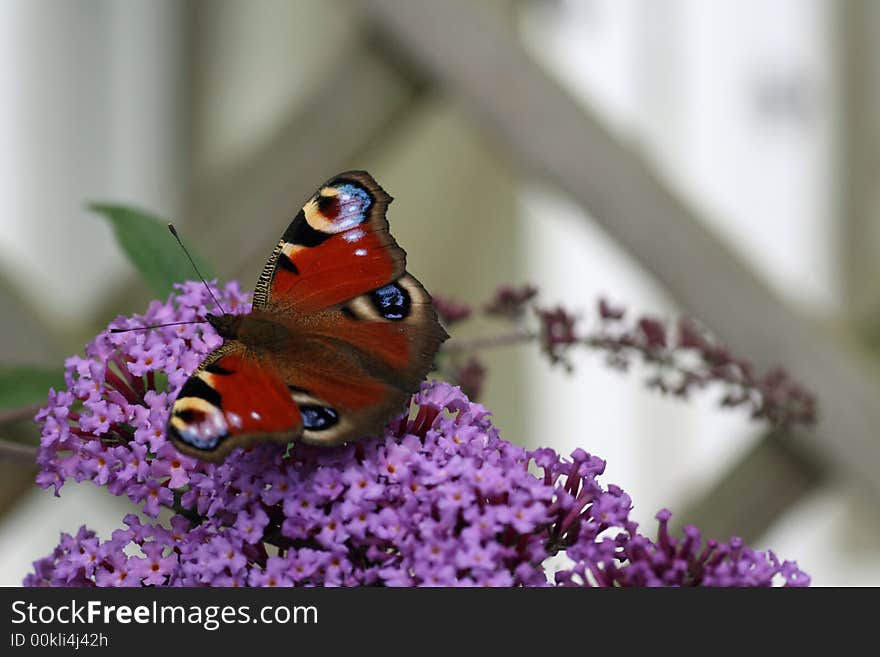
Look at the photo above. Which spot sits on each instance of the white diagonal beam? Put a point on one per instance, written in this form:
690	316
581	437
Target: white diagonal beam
482	63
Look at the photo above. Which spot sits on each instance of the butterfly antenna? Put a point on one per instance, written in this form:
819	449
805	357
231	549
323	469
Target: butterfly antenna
147	328
192	262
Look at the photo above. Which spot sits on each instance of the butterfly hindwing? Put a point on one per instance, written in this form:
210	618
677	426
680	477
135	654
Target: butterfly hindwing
363	364
228	402
397	326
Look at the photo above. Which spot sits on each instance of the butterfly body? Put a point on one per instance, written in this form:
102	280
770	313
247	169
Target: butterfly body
338	338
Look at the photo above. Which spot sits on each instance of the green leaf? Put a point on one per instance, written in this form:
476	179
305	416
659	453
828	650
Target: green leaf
151	248
27	386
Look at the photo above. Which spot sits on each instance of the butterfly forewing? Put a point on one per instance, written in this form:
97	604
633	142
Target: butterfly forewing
229	401
337	247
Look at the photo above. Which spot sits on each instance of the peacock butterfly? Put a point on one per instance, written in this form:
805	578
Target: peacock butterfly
338	337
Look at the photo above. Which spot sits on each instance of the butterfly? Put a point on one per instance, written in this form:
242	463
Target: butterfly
338	338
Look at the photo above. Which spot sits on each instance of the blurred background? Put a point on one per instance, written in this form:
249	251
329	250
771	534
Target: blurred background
713	158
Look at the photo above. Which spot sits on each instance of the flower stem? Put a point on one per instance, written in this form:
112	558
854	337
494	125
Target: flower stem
467	345
16	414
17	452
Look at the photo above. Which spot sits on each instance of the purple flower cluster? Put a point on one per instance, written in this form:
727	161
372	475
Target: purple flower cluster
449	311
682	358
438	499
108	427
511	302
686	358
